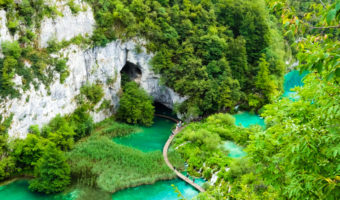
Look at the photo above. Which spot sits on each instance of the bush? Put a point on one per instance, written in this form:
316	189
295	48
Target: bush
60	132
82	122
52	172
135	106
93	92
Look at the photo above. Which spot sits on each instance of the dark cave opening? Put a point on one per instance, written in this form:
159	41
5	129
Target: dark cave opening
130	72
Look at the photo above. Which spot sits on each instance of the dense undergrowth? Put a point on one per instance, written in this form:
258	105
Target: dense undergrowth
200	143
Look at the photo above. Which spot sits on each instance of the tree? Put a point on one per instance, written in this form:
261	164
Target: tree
82	122
135	105
60	132
52	172
298	153
28	151
265	86
312	27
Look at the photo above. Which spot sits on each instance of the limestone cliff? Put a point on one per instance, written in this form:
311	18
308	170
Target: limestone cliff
100	64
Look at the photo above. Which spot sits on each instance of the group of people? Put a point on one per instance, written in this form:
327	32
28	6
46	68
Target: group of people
179	125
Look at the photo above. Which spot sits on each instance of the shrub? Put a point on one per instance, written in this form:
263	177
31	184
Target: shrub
52	172
135	106
93	92
82	122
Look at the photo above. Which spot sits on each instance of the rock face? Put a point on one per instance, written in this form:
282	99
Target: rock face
67	26
96	65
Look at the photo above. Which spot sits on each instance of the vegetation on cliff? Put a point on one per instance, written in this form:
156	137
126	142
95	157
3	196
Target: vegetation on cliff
210	51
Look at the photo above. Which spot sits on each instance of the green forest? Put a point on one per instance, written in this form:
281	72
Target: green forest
224	57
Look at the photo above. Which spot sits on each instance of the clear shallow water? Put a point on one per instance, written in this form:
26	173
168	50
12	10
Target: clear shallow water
161	190
18	190
246	119
291	80
149	138
235	151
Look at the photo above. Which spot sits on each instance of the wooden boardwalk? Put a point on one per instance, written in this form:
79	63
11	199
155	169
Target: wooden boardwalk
165	155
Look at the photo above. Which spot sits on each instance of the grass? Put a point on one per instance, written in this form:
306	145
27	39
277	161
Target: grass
100	162
111	128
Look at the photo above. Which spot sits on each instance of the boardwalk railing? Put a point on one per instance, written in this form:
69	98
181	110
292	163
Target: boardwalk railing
165	155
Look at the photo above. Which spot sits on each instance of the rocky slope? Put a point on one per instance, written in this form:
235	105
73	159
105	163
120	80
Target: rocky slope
95	65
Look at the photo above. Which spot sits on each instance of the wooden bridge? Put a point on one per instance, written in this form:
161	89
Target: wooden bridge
165	155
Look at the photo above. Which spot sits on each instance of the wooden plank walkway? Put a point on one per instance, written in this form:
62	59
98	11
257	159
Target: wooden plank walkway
165	155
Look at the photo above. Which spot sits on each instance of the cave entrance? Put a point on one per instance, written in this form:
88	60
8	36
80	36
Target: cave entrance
163	110
130	72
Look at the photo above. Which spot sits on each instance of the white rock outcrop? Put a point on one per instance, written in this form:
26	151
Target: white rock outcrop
67	26
96	65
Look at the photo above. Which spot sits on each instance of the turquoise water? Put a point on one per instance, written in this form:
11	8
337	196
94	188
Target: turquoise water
149	138
18	190
161	190
291	80
235	151
246	119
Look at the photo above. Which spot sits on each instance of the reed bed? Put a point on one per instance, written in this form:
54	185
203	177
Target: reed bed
100	162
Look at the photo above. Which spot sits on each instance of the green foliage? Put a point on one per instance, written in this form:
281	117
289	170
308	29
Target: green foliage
30	64
82	122
266	87
7	167
312	27
208	51
301	143
52	172
100	162
27	152
75	8
11	49
61	67
135	106
24	59
93	92
201	143
106	104
110	128
7	162
60	132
